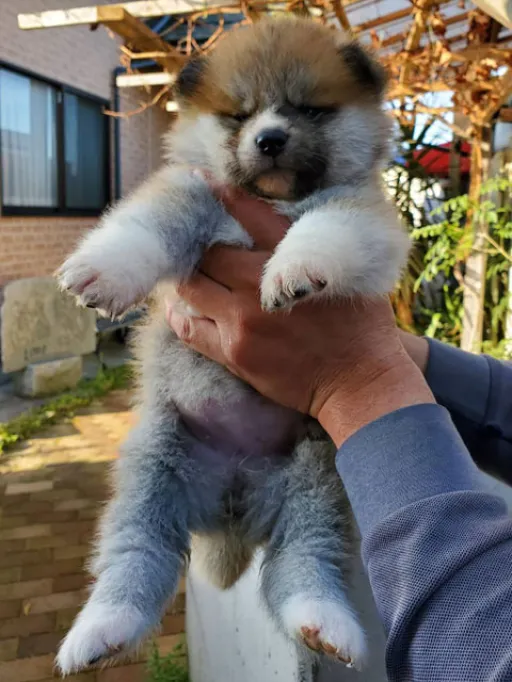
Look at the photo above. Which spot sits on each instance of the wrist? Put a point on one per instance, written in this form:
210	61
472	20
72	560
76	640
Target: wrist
417	349
352	405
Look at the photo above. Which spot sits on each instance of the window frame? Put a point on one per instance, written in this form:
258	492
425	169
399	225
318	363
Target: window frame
61	209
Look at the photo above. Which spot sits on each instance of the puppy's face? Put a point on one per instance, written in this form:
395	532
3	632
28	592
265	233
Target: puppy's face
286	107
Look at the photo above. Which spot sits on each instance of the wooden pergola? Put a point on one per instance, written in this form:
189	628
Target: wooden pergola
427	46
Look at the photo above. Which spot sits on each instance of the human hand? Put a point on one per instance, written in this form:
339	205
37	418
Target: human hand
342	363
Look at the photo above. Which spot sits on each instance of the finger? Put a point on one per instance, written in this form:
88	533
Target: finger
258	217
234	268
199	333
209	298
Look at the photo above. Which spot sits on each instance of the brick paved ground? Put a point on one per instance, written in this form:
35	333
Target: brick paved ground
51	489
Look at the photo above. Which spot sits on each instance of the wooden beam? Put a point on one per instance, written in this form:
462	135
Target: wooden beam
505	115
504	92
475	53
138	36
398	91
143	9
419	25
396	16
137	80
380	21
341	15
400	37
476	263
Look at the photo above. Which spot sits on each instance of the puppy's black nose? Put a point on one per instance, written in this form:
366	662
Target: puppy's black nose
271	141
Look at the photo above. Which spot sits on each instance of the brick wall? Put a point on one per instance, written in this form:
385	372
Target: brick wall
140	138
76	56
33	247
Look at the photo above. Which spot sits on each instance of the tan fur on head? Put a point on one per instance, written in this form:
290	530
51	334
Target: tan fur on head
292	56
315	88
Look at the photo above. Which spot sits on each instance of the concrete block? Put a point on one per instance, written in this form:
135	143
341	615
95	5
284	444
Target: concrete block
47	378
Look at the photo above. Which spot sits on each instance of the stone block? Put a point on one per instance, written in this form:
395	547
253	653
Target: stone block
47	378
38	322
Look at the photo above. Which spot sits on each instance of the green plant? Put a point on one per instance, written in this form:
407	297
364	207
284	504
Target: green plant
411	188
63	406
447	245
170	668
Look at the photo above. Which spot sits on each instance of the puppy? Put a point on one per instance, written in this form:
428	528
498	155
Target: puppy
290	111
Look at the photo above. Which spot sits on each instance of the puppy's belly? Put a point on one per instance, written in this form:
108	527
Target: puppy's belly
249	432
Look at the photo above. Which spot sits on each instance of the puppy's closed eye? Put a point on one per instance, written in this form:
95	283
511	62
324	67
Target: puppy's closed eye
314	113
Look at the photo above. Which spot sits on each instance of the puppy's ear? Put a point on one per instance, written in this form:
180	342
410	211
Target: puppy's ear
190	76
367	70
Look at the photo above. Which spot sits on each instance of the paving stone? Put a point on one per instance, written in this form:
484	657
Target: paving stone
25	558
23	590
73	505
71	552
76	528
53	602
55	495
37	645
24	532
54	568
28	625
29	508
65	618
12	546
126	673
173	624
28	669
57	486
10	609
52	541
168	643
10	575
8	649
178	606
68	583
13	522
36	487
82	677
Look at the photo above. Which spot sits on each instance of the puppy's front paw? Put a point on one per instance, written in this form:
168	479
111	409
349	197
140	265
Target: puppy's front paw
110	283
100	631
289	278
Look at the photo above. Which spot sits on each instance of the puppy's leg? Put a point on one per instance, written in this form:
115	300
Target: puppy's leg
346	247
143	543
161	231
303	572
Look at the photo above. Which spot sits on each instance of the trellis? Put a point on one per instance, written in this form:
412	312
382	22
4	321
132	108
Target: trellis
426	45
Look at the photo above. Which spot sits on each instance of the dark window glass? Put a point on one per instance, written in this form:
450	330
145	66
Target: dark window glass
53	148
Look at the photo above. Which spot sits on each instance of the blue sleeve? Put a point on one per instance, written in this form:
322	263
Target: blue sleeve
477	391
436	546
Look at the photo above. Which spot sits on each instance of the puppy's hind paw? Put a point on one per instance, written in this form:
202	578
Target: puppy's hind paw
100	631
326	627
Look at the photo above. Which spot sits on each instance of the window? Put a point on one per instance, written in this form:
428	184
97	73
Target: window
53	148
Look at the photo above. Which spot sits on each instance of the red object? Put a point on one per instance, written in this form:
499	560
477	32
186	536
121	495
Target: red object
437	162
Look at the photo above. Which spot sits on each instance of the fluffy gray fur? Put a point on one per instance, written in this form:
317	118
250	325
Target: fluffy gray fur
206	457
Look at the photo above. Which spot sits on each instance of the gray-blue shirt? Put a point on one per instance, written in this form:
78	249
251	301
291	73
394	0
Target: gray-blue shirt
437	547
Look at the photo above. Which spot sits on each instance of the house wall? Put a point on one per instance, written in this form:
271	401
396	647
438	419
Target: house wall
84	59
